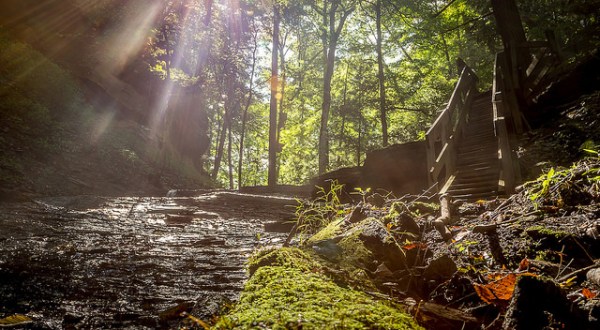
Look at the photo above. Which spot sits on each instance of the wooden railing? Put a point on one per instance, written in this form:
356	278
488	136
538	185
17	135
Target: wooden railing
444	135
529	80
506	110
512	92
546	57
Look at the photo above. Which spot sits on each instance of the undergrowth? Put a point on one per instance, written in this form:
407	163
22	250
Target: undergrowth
315	214
564	187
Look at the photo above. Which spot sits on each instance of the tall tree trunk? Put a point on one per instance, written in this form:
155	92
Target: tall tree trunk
229	160
381	76
282	117
272	170
334	34
246	107
168	56
344	112
358	145
221	144
323	132
444	44
510	28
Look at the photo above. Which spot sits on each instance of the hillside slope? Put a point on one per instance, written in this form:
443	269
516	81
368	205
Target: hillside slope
61	137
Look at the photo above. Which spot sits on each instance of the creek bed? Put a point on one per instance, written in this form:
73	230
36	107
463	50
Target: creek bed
94	262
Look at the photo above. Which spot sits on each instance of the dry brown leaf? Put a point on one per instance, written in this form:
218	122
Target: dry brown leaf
497	291
524	264
411	246
500	289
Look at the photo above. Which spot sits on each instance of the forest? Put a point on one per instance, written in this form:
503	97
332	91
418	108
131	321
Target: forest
309	164
280	92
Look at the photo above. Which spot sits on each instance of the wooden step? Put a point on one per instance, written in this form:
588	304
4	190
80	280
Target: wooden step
486	186
474	137
487	178
475	197
488	152
474	176
477	162
488	148
478	170
477	190
477	165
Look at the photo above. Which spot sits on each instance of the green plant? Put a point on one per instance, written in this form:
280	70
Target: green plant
543	187
362	192
315	214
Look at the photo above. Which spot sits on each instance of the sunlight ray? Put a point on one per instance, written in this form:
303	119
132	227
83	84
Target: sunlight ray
101	125
126	44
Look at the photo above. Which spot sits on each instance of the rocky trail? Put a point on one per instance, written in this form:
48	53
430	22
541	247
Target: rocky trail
131	262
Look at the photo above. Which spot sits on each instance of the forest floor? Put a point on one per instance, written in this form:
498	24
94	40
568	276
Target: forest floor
530	260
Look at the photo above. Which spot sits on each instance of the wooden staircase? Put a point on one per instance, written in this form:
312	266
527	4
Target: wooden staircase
477	168
469	146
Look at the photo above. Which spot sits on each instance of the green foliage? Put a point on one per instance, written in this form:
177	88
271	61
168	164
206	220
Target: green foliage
211	52
566	187
315	214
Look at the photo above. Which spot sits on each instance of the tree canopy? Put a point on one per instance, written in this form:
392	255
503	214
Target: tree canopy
312	85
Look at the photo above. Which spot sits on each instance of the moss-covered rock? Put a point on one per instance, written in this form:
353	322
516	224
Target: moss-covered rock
328	232
285	257
281	297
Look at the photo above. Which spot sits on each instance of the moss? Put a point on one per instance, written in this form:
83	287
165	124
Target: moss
422	208
285	257
547	232
279	297
355	252
330	231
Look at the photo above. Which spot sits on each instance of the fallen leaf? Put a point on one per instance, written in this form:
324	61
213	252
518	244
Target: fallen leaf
411	246
497	291
588	294
524	264
569	282
460	235
14	320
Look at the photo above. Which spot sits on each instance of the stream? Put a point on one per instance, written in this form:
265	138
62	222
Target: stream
90	262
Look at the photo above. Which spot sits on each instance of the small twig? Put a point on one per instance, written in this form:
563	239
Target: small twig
562	250
583	248
501	206
577	272
563	270
493	226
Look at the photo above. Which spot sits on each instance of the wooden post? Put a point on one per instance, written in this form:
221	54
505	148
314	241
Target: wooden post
445	218
511	30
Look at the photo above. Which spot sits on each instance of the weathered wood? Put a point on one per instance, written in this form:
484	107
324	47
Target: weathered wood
510	28
508	175
447	130
445	218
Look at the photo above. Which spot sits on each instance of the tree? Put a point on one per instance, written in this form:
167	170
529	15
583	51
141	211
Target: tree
273	143
248	103
381	75
334	17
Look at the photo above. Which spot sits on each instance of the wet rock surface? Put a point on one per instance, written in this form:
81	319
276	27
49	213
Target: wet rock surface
94	262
